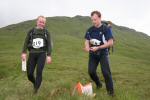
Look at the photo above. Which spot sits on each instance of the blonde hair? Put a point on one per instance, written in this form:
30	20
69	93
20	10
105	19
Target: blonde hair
41	17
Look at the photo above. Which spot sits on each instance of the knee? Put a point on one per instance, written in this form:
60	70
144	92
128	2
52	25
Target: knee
39	73
91	72
107	76
29	76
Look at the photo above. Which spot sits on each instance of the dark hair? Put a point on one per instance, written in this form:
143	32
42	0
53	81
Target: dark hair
96	12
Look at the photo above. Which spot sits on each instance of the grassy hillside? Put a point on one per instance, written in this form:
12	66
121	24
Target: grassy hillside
129	63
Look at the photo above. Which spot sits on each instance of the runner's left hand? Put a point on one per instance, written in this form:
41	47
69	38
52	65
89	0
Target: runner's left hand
49	60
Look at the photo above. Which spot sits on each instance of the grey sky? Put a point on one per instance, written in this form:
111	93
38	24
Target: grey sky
131	13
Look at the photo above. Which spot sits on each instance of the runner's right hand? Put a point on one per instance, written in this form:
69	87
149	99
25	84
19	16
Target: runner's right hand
23	56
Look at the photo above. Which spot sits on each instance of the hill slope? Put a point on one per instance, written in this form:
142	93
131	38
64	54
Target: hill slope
129	63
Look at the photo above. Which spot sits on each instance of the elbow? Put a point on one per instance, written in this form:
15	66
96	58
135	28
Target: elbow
111	43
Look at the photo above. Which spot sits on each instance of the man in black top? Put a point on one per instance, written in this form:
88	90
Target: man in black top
38	44
98	39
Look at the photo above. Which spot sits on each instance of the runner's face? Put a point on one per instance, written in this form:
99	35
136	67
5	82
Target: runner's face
41	22
96	20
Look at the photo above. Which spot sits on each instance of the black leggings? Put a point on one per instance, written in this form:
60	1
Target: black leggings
94	60
33	60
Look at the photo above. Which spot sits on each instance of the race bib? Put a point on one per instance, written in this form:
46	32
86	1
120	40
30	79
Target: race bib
37	43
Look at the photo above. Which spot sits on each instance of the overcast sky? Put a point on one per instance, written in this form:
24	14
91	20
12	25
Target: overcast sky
131	13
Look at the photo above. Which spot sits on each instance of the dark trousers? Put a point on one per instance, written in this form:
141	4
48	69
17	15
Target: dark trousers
33	60
103	59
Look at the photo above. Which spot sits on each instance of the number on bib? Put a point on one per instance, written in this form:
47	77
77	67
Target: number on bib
37	43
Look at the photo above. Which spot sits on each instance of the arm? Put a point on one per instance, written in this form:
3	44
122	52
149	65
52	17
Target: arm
86	46
107	44
49	48
25	46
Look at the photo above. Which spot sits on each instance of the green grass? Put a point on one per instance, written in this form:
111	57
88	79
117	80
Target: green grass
129	63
